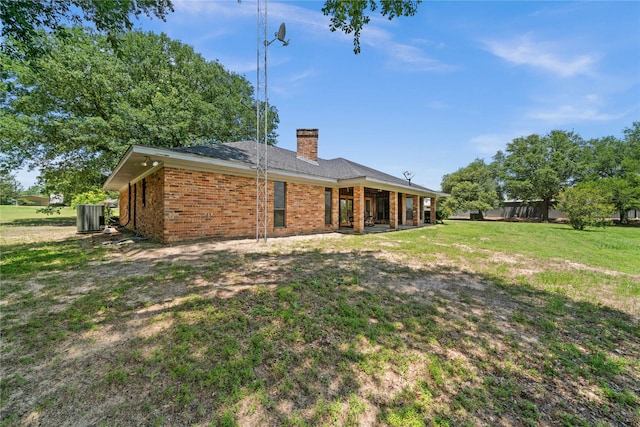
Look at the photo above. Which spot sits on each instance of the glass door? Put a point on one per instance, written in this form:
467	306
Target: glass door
346	211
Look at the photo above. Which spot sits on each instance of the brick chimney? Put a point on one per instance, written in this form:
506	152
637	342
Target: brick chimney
308	144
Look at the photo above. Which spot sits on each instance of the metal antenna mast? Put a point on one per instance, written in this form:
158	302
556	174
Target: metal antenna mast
262	108
262	119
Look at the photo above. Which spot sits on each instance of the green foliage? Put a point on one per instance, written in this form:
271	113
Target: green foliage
34	190
615	164
539	167
93	197
585	206
472	188
22	19
10	189
74	112
350	16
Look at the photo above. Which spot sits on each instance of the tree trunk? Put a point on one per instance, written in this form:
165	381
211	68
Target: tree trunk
545	209
623	216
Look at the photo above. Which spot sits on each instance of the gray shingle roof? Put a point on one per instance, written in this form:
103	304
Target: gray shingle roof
287	160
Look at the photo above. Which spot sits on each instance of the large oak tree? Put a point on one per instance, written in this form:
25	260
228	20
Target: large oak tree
472	188
614	164
73	114
539	167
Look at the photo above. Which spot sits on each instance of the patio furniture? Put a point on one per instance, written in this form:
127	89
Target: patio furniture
369	221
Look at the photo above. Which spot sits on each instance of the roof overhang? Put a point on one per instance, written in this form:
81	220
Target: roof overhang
388	186
130	170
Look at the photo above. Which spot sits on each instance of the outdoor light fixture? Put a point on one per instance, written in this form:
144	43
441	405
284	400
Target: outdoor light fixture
147	161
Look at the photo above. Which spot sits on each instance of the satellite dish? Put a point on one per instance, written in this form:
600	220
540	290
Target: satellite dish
408	175
281	34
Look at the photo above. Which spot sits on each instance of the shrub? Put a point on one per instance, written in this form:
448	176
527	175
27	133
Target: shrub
93	197
585	206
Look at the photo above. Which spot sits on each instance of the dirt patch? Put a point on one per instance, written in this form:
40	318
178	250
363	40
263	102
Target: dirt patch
436	340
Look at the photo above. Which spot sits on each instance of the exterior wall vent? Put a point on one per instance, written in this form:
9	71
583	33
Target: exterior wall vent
89	218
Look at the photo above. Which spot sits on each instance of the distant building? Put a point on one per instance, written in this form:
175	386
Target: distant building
56	199
33	201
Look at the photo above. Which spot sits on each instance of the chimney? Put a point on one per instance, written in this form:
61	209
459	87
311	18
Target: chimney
308	144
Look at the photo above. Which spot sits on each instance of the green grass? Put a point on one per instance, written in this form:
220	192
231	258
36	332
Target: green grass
329	331
28	216
608	248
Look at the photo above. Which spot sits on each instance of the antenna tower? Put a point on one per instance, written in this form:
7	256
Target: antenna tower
262	108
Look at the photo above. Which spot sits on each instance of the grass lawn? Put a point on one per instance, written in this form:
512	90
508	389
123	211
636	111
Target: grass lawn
461	324
28	215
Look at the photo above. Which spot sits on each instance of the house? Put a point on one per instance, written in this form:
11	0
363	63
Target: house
33	201
187	193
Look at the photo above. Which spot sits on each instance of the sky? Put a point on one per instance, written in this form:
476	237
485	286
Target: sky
430	93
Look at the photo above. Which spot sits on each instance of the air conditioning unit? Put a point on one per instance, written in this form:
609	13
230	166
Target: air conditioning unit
89	218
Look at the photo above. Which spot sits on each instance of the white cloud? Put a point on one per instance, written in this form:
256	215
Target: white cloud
589	107
569	113
437	105
490	144
215	8
401	56
411	58
550	56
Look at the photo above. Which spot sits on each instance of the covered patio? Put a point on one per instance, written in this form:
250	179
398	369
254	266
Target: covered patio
381	228
379	207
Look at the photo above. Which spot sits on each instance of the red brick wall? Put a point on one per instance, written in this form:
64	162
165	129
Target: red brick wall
146	212
307	140
206	204
187	205
304	212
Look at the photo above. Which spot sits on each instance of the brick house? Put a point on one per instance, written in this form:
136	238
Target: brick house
187	193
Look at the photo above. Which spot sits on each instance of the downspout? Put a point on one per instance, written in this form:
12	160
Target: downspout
128	209
135	204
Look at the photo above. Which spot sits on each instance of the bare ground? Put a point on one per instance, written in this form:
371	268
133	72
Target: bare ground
488	333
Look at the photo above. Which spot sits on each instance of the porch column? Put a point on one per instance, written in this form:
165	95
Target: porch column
358	209
335	208
416	211
432	211
393	209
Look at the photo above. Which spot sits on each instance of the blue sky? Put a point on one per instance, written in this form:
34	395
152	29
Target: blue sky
432	92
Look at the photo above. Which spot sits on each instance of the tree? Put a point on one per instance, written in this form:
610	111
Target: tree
351	16
34	190
76	112
23	20
615	164
539	167
585	205
10	189
472	188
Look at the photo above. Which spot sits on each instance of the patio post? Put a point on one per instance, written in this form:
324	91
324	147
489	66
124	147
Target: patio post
432	211
335	208
416	211
358	209
393	209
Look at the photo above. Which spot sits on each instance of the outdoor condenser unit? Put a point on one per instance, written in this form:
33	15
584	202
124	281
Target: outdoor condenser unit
89	218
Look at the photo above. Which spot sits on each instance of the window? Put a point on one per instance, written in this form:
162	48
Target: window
279	203
409	208
327	206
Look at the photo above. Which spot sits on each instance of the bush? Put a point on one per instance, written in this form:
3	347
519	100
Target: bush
585	206
93	197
